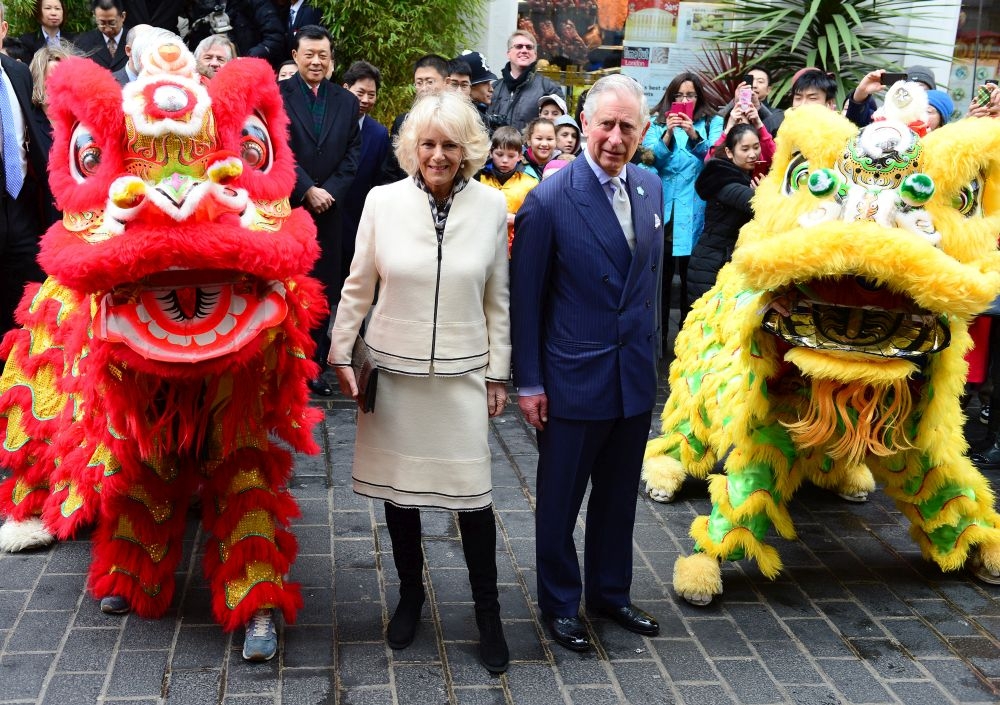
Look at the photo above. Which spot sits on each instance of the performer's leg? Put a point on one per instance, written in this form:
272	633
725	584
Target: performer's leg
611	513
950	508
408	555
137	543
566	453
246	509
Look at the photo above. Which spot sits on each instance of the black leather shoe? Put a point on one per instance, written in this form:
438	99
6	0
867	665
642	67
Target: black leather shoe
632	618
988	458
568	632
320	386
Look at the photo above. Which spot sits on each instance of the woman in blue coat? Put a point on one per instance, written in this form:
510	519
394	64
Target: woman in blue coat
675	147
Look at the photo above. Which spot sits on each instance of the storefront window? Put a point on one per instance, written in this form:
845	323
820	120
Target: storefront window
977	50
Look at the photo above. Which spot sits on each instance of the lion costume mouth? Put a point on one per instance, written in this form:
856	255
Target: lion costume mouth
852	314
189	315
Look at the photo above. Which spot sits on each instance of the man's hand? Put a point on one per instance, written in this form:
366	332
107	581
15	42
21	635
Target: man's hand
318	199
871	83
535	409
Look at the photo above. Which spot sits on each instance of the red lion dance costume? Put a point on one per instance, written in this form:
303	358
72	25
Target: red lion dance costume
170	341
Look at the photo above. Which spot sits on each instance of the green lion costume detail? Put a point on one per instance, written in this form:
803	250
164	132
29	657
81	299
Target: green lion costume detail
834	342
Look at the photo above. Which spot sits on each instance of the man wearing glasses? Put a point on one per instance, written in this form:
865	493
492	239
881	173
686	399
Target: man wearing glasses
516	92
106	44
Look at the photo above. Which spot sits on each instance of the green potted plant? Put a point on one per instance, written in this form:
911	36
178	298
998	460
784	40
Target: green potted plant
847	38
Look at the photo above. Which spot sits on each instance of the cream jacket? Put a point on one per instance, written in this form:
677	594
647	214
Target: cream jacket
452	311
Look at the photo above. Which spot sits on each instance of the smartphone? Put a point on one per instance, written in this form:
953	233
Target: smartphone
889	78
748	79
744	96
982	96
685	108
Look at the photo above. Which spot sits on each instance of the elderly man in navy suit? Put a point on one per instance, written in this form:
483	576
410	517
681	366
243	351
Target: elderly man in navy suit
583	281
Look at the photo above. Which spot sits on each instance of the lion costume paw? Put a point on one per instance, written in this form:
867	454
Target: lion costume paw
698	578
984	564
24	535
663	476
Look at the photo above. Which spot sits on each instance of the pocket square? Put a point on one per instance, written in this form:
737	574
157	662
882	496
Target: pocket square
656	220
641	191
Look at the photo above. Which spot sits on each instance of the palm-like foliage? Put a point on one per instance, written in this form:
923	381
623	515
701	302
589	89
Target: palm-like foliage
846	38
722	66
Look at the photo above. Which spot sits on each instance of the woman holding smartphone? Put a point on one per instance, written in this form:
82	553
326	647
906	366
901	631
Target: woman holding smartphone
675	147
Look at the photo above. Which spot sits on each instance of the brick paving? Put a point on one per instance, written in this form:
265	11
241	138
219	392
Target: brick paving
856	617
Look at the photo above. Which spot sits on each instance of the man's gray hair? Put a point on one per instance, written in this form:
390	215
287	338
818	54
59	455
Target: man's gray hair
215	40
619	84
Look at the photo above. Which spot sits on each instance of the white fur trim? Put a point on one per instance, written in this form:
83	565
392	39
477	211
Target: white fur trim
22	535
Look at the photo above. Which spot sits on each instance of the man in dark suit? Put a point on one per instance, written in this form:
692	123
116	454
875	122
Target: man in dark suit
23	164
326	142
106	44
583	280
363	80
299	15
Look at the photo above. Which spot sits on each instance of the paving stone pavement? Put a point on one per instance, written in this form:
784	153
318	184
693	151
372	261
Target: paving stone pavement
856	617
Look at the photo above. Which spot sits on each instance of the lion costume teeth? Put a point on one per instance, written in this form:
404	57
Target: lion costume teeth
170	345
834	343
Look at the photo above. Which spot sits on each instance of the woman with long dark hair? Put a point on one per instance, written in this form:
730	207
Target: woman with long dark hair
676	145
727	184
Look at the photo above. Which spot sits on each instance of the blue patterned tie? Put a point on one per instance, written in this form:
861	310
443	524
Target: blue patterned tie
11	146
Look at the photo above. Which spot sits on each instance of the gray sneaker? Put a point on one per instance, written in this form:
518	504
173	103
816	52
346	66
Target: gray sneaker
261	641
114	604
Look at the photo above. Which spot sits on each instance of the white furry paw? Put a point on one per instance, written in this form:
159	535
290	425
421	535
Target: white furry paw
981	571
660	495
698	600
23	535
858	497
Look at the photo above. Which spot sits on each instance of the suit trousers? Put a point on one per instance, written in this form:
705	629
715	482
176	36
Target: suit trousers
329	272
20	231
609	454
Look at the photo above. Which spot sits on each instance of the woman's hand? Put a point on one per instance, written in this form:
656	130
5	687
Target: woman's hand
755	181
672	121
687	125
753	117
496	398
736	116
347	381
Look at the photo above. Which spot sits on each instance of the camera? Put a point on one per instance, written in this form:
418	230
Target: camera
495	120
216	18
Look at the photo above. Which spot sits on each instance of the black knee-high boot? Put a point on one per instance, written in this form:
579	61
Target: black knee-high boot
404	530
479	544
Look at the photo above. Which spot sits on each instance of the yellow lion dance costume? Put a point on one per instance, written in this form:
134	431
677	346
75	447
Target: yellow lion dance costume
836	338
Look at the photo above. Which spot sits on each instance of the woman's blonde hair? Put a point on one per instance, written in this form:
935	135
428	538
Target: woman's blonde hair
455	116
40	61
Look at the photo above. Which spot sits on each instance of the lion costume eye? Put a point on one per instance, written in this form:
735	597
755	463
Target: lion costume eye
85	154
796	175
969	200
255	144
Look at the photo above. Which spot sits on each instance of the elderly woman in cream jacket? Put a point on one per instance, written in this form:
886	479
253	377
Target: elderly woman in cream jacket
435	245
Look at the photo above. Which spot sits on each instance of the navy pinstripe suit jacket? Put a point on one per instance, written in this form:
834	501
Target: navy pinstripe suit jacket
582	305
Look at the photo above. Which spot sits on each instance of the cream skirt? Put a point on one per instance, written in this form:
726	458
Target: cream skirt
426	444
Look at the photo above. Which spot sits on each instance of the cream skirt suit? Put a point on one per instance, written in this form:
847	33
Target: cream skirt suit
439	330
